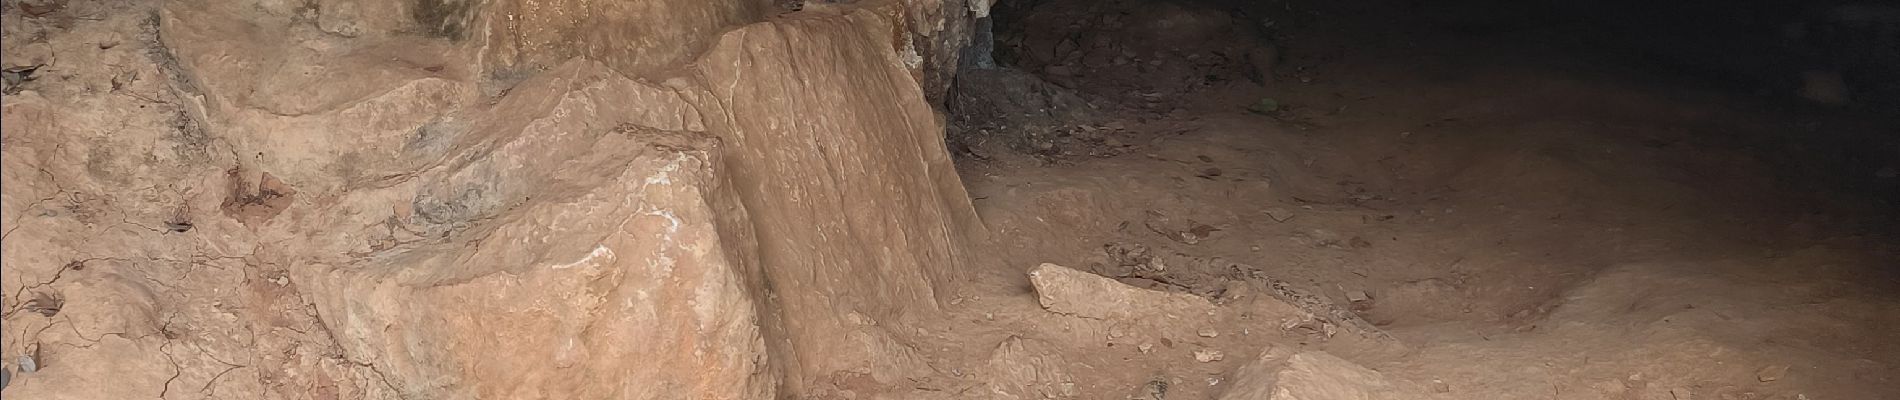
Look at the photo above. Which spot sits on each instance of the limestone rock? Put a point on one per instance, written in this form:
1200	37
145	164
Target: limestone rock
467	199
1068	291
570	245
813	110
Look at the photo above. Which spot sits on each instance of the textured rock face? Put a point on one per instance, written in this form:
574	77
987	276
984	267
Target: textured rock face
842	166
633	37
581	247
460	199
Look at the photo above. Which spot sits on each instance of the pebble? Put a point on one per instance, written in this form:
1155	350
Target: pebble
1357	296
1771	373
1156	389
28	364
1681	394
1208	332
1440	386
1206	355
1146	348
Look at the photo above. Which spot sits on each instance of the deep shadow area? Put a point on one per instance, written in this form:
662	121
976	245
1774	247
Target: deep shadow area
1826	74
1610	200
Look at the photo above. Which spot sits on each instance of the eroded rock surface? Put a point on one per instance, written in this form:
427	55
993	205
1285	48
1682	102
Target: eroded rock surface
449	199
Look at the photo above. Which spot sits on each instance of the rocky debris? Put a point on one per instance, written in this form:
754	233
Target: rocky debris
1359	301
996	109
1155	389
1310	375
1285	309
1128	254
1208	355
1184	231
1215	277
1327	317
1029	369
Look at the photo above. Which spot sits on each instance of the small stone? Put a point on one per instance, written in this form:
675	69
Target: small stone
1357	296
28	364
1439	386
1208	355
1146	348
1208	332
1681	394
1156	389
1771	373
280	280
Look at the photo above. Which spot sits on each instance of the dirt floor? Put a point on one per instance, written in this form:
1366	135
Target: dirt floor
1529	221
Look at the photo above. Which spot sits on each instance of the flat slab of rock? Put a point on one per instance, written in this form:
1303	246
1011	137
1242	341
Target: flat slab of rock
1067	291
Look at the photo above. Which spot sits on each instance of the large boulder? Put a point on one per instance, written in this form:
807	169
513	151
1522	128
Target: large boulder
465	199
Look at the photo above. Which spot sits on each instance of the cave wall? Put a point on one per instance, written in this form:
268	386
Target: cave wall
485	199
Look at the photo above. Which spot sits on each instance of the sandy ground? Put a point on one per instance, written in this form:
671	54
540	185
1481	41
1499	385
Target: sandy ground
1529	222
